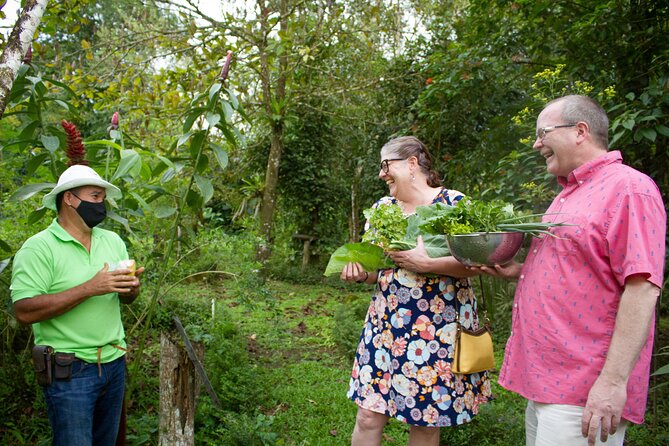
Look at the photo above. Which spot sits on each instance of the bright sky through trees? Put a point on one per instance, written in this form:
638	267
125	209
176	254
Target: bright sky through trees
212	8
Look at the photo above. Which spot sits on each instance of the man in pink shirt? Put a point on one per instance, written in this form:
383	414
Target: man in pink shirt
584	308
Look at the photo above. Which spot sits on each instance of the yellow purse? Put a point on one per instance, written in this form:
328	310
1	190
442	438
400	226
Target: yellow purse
473	350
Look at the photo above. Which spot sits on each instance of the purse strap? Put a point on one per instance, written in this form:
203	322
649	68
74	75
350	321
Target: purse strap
478	313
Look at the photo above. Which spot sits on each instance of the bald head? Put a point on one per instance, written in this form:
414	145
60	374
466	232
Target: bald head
578	108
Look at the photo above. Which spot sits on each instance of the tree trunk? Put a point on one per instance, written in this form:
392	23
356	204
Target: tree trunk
17	46
354	221
269	194
274	105
179	388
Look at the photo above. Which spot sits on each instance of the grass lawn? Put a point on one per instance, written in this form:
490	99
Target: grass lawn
291	335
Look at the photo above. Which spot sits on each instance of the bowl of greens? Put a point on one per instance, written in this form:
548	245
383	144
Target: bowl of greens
485	248
482	232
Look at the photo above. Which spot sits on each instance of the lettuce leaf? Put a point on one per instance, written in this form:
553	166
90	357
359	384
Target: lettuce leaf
387	222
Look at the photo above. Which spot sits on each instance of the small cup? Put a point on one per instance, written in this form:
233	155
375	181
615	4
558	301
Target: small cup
124	264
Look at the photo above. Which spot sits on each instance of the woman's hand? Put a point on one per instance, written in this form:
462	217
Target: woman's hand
416	259
353	272
509	271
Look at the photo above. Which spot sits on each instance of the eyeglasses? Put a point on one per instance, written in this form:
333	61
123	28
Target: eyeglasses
541	133
384	164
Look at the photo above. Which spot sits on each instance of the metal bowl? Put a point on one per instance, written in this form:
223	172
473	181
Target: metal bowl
485	248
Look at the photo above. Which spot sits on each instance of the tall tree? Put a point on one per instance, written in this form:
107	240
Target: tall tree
274	103
17	46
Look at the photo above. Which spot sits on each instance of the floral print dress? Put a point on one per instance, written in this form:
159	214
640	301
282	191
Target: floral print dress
403	362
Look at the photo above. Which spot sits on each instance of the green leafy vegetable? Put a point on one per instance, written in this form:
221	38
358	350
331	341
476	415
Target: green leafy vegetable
471	215
387	223
435	244
370	256
391	231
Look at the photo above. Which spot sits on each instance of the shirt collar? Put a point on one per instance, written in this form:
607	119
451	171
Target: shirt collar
585	171
57	230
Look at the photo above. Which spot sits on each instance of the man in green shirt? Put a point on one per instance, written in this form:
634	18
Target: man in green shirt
67	283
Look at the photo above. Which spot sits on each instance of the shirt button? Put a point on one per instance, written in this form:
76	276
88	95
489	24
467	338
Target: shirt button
580	182
522	276
561	200
515	305
535	251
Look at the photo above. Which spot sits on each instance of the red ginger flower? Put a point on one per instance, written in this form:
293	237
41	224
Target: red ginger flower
114	121
76	153
226	67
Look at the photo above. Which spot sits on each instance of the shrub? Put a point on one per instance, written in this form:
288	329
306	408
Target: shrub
230	428
235	379
219	254
349	318
280	269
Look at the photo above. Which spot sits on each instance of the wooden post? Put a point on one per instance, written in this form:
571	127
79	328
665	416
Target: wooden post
305	254
306	248
179	389
354	220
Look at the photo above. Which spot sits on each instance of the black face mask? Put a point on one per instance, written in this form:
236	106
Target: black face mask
91	213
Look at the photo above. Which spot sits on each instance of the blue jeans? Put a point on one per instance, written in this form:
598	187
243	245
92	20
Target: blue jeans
86	410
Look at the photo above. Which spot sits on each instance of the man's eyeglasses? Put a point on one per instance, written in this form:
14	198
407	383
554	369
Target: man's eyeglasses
541	133
384	164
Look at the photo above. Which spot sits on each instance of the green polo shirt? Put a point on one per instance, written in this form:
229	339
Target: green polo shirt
52	261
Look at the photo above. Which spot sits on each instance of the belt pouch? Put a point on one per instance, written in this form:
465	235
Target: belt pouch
62	365
42	364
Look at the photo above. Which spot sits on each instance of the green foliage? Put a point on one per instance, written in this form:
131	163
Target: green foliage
234	429
142	428
641	435
23	412
214	254
141	174
292	272
640	130
444	219
387	223
235	379
533	52
643	116
348	322
229	367
313	198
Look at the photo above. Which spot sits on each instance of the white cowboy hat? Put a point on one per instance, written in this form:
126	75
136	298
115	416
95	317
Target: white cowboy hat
76	176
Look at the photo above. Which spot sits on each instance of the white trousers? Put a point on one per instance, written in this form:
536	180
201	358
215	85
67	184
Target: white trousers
560	425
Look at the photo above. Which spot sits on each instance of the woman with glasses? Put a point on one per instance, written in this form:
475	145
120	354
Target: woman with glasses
403	362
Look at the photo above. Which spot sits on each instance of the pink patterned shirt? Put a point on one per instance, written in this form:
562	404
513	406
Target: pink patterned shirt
569	289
